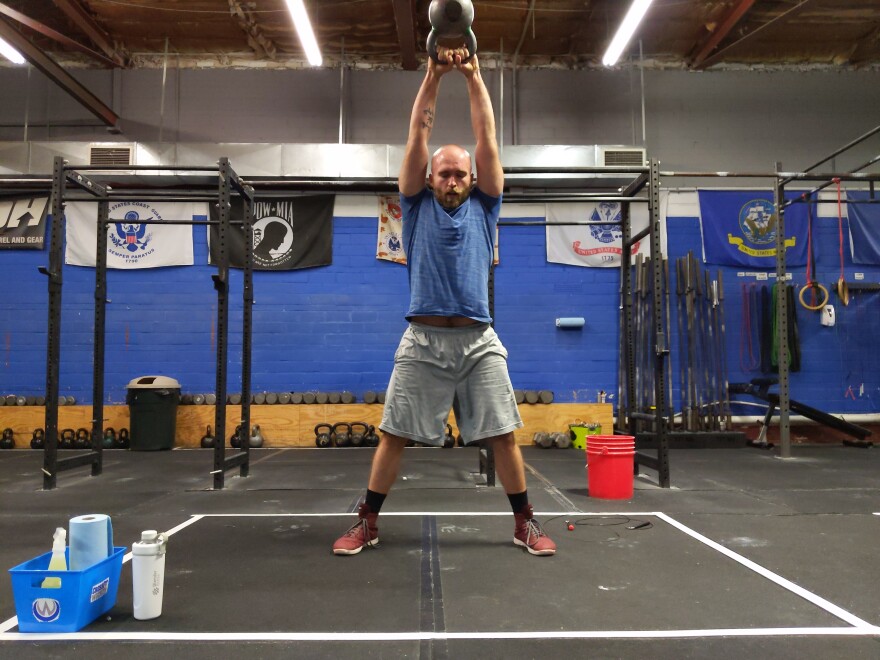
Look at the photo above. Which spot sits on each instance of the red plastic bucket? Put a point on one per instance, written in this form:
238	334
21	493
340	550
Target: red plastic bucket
610	473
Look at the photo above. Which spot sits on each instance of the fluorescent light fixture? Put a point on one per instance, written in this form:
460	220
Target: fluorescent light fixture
304	31
626	30
10	53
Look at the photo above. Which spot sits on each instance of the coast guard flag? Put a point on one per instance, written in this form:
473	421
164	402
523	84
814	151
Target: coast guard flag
864	229
597	246
739	228
288	233
389	245
132	243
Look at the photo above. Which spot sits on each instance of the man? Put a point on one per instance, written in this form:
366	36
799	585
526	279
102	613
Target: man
449	355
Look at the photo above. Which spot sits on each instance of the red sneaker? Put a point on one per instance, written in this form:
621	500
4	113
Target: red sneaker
528	534
363	533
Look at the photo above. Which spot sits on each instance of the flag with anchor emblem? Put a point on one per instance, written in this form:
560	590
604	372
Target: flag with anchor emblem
138	235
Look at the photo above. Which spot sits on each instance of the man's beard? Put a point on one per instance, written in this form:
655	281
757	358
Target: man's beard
451	201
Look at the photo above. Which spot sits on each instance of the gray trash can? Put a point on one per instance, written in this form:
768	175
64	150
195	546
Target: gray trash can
152	404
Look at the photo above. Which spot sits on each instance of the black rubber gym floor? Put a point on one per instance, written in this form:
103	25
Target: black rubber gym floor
747	555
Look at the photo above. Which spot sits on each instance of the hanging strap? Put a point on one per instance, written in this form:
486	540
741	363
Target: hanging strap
812	285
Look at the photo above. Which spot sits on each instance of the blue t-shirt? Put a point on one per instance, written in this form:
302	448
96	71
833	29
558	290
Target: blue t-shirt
448	254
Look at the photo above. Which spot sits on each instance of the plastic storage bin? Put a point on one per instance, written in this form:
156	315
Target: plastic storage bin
152	403
83	596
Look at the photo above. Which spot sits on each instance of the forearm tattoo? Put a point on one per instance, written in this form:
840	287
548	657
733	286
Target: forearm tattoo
428	119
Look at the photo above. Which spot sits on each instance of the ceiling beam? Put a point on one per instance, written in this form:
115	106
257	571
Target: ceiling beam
717	36
404	16
776	21
74	10
859	52
262	45
46	31
58	75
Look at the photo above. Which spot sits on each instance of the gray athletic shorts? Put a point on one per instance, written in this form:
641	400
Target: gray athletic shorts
436	369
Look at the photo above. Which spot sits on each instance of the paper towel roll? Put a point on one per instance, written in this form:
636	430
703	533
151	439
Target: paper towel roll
91	540
570	322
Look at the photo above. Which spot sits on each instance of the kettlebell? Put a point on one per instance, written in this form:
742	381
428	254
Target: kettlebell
235	440
341	434
66	440
208	439
109	440
450	19
82	441
38	440
371	439
322	435
449	438
256	439
8	440
359	434
123	440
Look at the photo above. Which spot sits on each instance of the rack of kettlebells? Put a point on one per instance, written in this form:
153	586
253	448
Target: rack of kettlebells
218	185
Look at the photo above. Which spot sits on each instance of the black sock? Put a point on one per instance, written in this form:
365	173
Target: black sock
518	501
374	500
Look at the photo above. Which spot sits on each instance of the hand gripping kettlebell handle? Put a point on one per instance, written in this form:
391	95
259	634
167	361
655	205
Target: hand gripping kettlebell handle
470	43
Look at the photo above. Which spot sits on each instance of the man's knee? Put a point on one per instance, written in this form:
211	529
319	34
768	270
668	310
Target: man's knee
392	442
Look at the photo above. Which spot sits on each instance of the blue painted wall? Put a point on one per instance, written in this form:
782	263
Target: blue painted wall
336	327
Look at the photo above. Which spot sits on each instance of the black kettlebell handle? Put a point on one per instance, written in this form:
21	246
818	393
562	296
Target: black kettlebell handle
324	426
470	40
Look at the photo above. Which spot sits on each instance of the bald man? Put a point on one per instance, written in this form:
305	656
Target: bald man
449	355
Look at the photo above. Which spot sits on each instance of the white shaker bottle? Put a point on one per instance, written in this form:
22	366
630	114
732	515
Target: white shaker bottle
148	574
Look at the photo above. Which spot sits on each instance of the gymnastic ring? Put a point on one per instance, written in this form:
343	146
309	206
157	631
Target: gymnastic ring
843	291
814	286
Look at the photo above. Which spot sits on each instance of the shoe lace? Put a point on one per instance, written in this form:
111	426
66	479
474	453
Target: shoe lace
360	527
534	529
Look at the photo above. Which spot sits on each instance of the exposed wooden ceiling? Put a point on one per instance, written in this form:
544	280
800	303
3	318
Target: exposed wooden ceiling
392	33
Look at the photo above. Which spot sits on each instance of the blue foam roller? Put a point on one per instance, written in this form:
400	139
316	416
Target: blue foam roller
570	322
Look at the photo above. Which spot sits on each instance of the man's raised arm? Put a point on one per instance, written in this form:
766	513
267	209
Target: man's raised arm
414	169
490	175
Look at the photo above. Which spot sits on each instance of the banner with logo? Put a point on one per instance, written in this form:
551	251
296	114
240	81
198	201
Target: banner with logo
137	240
389	244
23	223
864	229
595	246
739	228
288	233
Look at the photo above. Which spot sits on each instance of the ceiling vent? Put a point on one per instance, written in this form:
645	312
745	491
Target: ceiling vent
117	154
619	157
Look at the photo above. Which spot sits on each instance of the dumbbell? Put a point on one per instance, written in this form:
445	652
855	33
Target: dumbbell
542	440
334	397
341	434
372	438
284	397
65	441
450	19
348	397
545	396
297	397
309	397
562	440
234	399
82	440
449	438
123	440
531	396
358	436
109	439
38	440
207	441
322	435
271	398
370	397
7	441
322	397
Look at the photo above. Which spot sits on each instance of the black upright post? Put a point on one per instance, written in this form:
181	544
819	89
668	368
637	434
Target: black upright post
99	342
53	342
627	335
221	284
782	321
247	326
661	347
487	451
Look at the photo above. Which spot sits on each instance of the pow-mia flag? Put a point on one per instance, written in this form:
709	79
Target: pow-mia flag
23	223
288	233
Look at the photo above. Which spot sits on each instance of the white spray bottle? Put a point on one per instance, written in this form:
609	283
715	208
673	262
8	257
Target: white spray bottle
58	561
